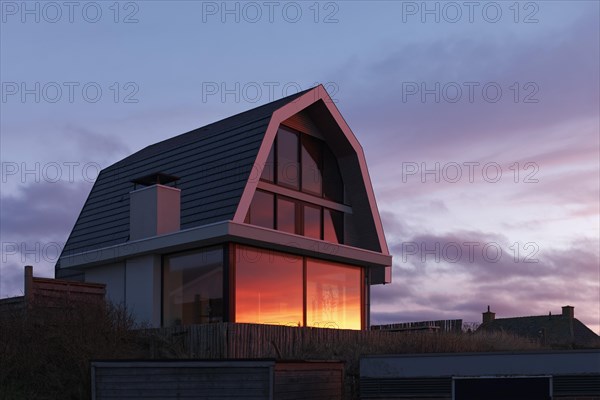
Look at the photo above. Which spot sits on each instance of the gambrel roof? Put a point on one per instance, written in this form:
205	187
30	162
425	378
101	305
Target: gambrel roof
213	163
217	167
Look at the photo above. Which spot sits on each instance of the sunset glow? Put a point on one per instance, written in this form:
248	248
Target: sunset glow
269	290
481	136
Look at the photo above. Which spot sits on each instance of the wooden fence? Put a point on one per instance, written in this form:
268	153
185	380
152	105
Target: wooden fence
51	293
236	340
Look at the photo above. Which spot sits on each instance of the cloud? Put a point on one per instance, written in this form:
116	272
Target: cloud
42	210
564	74
427	286
95	145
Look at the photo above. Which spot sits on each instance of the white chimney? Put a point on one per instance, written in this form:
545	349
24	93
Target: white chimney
155	209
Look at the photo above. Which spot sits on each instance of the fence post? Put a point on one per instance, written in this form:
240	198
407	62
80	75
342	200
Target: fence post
28	284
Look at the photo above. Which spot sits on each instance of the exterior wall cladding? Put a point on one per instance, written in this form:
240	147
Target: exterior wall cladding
174	230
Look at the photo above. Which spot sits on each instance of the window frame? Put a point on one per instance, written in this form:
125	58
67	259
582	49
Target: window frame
323	151
300	195
226	251
234	248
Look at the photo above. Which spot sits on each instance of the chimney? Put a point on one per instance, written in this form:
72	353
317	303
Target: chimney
488	316
28	283
568	311
154	209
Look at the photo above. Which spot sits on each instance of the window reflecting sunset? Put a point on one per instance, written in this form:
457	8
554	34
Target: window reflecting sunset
333	295
268	287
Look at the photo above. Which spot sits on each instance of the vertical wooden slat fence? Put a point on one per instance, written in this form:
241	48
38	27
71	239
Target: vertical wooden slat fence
235	341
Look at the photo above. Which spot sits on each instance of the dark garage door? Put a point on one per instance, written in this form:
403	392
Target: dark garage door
502	389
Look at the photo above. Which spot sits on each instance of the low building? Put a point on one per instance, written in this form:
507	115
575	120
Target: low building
446	326
564	375
562	330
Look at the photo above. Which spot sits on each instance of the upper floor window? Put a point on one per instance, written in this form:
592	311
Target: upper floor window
287	160
302	162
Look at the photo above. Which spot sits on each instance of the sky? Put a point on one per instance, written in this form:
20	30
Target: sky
479	121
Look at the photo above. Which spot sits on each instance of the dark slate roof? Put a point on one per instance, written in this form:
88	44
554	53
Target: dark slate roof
212	162
548	329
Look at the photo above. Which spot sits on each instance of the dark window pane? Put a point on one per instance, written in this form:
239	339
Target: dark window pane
311	165
287	159
312	221
268	172
193	287
333	295
333	226
262	209
268	288
286	215
333	188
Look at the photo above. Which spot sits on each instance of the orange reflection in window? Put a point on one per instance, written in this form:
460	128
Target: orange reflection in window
333	295
268	287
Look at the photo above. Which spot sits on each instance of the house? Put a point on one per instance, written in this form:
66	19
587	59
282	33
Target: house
442	326
552	330
264	217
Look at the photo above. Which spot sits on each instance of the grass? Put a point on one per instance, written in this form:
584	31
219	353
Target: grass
45	352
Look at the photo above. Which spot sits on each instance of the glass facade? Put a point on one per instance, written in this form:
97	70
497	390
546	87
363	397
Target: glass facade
193	287
294	216
303	163
287	159
333	295
283	289
261	210
312	221
268	287
286	215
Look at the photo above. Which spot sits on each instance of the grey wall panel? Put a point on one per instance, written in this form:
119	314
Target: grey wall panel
186	380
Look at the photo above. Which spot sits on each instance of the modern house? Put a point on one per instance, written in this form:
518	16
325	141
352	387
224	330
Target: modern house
267	217
563	330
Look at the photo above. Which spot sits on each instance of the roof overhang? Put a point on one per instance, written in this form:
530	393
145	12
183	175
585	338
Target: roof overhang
222	232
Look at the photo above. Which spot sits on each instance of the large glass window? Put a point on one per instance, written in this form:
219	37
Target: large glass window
261	211
286	215
311	165
193	287
304	163
293	216
268	287
287	159
333	295
312	221
271	288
